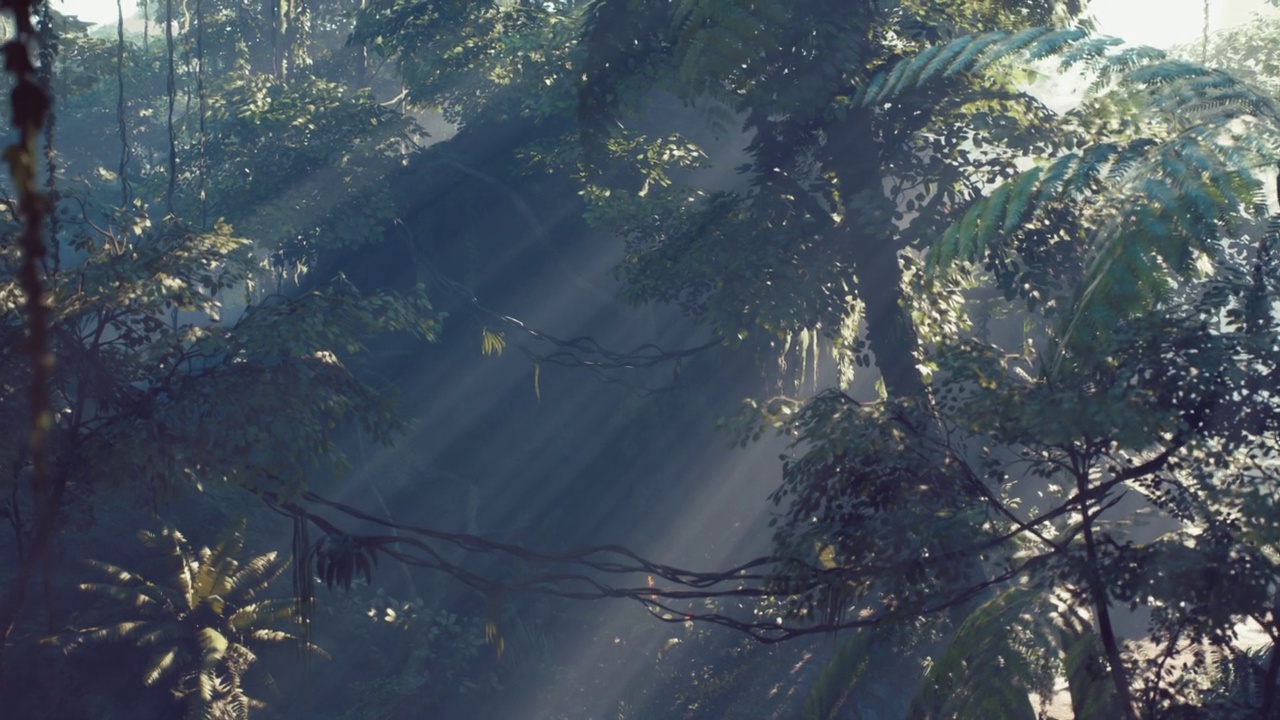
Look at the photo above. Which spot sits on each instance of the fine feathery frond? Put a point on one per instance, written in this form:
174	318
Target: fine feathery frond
1019	200
1174	87
1150	208
970	54
831	689
1176	202
992	663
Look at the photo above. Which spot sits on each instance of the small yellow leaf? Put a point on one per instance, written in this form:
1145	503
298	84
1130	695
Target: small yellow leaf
493	637
827	557
492	343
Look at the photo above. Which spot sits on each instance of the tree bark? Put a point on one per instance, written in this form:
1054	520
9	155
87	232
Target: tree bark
1101	607
866	229
1269	682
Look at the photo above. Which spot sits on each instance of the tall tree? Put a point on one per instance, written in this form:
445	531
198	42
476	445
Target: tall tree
837	190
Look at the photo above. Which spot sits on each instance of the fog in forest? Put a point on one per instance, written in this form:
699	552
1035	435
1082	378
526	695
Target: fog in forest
618	360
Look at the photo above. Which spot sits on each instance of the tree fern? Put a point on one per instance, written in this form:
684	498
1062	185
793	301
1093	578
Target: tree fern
1236	681
970	54
848	667
1151	203
714	39
201	626
991	664
1092	697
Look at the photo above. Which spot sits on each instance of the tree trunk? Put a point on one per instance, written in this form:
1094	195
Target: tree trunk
1101	607
866	229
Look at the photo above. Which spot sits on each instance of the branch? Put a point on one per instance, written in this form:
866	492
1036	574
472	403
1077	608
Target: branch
744	581
580	351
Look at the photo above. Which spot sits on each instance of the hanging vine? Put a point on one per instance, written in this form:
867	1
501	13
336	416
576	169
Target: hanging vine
31	105
1204	34
48	56
120	107
171	90
201	101
276	9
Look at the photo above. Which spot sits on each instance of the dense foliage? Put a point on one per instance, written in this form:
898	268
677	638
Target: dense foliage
1038	479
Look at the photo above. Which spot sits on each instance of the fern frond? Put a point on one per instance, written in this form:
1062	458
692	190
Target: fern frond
206	652
270	636
127	630
1091	695
715	39
1009	205
1181	196
1086	52
991	220
1170	71
850	663
1113	67
239	658
969	54
907	73
147	598
118	575
943	60
218	564
161	633
1051	44
983	673
492	342
1121	163
213	647
261	612
255	575
163	665
976	46
208	684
